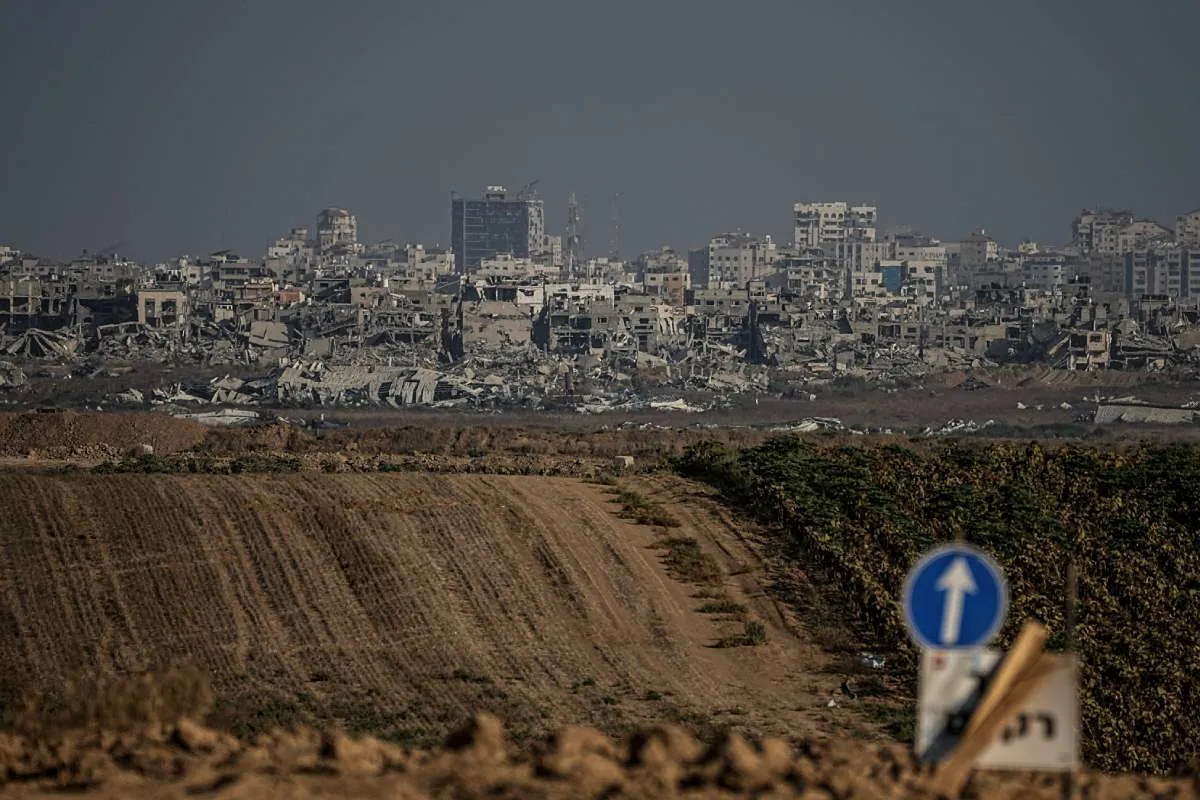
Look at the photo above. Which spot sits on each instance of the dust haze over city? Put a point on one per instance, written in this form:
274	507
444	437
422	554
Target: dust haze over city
618	400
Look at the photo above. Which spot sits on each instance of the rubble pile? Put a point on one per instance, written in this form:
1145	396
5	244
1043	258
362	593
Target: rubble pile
956	427
370	333
204	344
815	424
11	376
482	383
39	344
223	417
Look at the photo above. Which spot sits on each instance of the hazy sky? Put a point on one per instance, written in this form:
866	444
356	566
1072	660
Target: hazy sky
186	126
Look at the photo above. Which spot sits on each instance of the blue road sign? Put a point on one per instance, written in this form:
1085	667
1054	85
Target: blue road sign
954	598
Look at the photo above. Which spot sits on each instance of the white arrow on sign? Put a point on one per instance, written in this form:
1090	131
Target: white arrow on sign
955	582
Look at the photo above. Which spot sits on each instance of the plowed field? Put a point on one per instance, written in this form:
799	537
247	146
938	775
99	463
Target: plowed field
395	604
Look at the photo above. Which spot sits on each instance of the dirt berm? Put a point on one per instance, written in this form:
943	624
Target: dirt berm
398	604
66	434
187	760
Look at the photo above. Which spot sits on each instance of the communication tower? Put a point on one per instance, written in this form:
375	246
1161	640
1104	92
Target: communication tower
614	247
574	243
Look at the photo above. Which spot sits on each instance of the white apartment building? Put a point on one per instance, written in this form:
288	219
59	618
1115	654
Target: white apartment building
922	284
878	269
291	257
1189	267
1098	230
1155	272
294	246
427	265
1170	270
735	258
1142	234
869	281
859	256
1187	228
859	265
1044	271
665	259
930	255
820	224
978	252
672	287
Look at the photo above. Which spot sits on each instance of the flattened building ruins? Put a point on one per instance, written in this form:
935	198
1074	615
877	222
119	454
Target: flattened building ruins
511	315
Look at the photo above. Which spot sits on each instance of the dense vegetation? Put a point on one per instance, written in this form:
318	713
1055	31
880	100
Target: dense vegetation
1130	520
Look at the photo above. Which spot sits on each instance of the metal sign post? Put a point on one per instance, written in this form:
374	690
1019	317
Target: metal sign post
982	707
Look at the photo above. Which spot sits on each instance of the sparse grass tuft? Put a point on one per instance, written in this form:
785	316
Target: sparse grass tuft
657	516
641	509
690	563
756	632
105	701
753	633
723	607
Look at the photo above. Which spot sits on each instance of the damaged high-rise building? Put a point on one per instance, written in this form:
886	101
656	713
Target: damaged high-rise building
337	230
499	223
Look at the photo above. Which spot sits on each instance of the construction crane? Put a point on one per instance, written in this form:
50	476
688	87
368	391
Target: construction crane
527	190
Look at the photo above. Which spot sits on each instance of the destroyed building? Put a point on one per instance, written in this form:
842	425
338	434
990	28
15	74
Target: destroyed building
332	320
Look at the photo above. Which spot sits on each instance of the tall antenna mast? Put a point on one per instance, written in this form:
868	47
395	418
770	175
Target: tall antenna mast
574	241
614	248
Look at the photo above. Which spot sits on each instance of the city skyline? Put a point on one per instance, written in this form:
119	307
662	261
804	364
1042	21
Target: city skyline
223	126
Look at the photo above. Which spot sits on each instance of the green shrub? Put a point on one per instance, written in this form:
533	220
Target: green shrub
753	633
641	509
862	516
688	562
